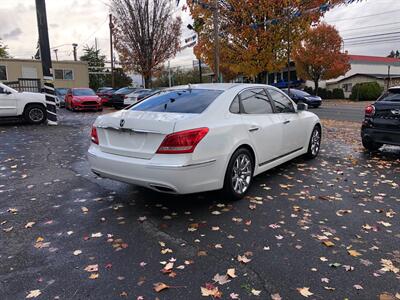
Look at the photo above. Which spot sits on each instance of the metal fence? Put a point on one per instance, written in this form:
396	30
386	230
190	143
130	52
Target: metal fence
26	85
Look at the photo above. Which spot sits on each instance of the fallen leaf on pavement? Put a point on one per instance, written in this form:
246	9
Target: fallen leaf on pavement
159	286
231	273
305	291
77	252
29	225
92	268
243	259
221	279
94	276
33	294
354	253
210	291
255	292
276	297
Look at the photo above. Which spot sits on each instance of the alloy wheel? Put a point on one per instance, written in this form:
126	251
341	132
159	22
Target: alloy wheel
241	174
36	115
315	142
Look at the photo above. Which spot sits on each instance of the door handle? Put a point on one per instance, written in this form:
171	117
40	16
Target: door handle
286	122
252	129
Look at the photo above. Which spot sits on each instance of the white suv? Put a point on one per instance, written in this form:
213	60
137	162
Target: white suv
30	106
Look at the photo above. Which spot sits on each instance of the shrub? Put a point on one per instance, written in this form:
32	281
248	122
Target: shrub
337	94
367	91
309	90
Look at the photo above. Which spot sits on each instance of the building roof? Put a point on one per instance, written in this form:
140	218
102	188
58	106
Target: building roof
39	61
374	59
375	76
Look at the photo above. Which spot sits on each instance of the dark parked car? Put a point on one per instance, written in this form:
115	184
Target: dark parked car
137	96
381	124
302	96
105	94
117	98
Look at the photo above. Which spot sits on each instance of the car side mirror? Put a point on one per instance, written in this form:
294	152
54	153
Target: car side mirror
7	92
302	106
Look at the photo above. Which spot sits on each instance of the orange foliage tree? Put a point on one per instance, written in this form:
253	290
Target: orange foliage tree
255	35
146	34
320	57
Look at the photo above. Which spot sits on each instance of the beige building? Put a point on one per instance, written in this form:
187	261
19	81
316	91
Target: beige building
67	74
348	83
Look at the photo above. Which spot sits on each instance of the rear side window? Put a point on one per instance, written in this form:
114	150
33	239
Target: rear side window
255	101
281	101
189	101
393	95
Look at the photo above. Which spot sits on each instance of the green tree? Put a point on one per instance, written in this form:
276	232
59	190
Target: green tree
3	50
120	79
96	62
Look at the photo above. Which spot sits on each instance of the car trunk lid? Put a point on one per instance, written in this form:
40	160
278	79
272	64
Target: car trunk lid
136	133
387	115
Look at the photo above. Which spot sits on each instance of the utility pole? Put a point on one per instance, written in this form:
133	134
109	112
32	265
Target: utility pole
388	83
200	72
216	40
288	49
112	52
75	54
55	52
45	56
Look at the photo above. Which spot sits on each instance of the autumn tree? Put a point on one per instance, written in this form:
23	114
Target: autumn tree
3	50
146	34
320	57
255	35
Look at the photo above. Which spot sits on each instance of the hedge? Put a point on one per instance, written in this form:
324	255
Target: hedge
368	91
326	94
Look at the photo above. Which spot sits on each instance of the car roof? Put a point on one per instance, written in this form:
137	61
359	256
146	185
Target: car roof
219	86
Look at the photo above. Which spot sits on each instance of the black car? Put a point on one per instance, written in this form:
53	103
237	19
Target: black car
117	98
302	96
381	124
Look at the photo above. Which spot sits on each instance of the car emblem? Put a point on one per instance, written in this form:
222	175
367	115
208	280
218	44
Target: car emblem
122	123
396	112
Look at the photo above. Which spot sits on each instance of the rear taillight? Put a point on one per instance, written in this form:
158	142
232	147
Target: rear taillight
370	111
182	141
94	136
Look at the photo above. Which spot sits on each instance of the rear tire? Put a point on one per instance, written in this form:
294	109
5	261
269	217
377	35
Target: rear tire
371	145
315	143
35	114
239	174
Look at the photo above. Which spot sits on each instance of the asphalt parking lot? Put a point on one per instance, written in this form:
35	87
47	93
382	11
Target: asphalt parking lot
327	228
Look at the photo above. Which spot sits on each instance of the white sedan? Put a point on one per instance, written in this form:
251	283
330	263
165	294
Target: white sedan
204	137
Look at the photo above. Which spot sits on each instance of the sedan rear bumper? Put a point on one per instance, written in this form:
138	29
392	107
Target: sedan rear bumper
381	136
176	178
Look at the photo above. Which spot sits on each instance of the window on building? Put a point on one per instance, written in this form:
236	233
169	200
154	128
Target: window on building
347	87
3	73
63	74
255	101
281	101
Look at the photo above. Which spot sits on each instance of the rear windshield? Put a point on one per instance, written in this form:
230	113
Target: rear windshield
125	91
83	92
190	101
61	92
393	95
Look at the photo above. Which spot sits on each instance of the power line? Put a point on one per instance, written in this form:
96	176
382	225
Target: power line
366	16
371	26
372	35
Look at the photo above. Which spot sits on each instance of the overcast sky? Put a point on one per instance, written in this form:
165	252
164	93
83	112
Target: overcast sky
81	21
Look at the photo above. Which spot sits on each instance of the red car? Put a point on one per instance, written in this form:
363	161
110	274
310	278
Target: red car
82	99
105	94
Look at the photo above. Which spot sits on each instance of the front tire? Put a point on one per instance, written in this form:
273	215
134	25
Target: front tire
371	145
239	174
35	114
315	143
